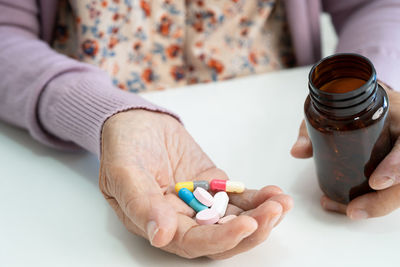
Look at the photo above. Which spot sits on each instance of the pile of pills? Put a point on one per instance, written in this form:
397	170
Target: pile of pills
210	209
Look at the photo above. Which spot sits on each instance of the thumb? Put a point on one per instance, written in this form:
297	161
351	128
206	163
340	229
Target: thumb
143	202
302	148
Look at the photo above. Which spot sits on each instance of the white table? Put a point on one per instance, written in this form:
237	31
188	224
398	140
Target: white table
52	213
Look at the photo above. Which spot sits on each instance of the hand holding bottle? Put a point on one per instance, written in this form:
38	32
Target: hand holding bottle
385	179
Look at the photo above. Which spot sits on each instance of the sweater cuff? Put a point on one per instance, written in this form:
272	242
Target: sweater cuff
75	105
387	67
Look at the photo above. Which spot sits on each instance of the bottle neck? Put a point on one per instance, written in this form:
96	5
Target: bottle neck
343	85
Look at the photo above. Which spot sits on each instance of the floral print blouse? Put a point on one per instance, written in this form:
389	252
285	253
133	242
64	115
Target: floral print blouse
156	44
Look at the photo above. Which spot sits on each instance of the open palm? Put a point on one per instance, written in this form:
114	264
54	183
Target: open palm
143	155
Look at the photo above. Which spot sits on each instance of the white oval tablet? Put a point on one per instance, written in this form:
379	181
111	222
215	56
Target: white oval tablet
207	216
221	200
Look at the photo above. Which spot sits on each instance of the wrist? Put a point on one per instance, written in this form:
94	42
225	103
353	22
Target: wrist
75	106
134	122
134	116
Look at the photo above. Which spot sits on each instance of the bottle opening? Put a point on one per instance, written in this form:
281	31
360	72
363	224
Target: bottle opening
343	81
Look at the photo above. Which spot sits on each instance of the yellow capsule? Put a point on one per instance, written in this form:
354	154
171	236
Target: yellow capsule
187	185
234	187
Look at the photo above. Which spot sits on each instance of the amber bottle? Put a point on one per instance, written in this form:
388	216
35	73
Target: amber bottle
347	120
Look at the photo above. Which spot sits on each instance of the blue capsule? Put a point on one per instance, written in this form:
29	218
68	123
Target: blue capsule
189	199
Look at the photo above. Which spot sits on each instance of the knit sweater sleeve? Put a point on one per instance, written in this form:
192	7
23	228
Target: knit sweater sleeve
63	103
370	28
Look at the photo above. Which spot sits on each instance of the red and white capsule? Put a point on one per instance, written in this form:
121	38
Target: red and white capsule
227	186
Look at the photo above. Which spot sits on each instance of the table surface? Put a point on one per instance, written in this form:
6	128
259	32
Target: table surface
52	213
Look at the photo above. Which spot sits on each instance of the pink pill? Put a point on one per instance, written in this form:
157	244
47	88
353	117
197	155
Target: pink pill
203	197
207	216
226	219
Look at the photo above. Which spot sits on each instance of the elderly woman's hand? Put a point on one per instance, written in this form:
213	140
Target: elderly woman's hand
385	179
143	155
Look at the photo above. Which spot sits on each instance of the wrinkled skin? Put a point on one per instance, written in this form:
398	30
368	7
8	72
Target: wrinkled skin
143	155
385	179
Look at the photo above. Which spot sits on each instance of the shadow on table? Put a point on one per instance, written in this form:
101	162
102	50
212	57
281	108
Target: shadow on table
81	162
143	253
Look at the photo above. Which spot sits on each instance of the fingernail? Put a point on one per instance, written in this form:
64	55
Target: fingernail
274	220
152	230
383	182
302	141
358	214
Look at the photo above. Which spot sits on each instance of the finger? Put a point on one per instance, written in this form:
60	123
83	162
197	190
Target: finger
375	204
266	215
233	210
388	171
286	202
302	148
251	198
143	202
331	205
193	240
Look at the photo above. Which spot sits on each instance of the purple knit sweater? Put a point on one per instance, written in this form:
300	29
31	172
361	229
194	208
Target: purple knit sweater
64	103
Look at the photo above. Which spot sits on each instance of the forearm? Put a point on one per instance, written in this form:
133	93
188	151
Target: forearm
27	65
75	105
62	102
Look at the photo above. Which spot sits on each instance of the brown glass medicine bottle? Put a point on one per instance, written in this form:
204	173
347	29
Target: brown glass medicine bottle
347	120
